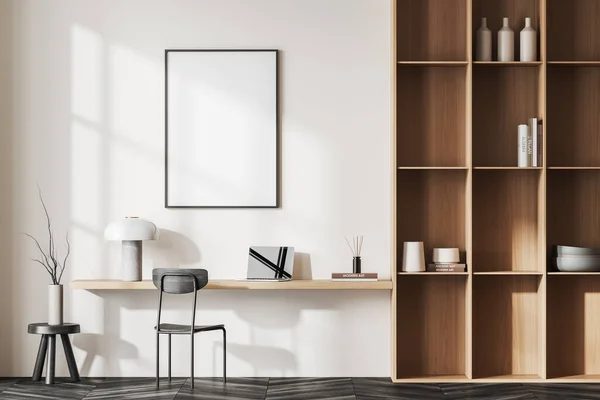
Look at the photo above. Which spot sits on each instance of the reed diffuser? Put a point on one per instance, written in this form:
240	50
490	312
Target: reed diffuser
355	248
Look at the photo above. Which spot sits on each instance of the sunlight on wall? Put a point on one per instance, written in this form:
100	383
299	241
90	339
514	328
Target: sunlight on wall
135	91
87	84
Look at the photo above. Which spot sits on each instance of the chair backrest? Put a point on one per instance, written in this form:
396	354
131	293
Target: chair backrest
179	281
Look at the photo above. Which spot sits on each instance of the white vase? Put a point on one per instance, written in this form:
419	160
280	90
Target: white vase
506	42
414	257
483	50
528	42
55	304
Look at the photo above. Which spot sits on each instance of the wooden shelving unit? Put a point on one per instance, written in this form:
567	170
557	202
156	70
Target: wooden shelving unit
511	317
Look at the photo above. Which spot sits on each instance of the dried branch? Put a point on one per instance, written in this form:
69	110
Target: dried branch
50	259
64	264
42	264
49	266
51	247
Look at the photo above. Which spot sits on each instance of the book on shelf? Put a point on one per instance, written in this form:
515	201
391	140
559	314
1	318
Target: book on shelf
540	144
442	267
530	147
523	146
353	277
536	133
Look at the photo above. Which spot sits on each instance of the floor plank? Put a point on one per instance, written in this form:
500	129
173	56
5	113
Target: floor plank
310	388
235	389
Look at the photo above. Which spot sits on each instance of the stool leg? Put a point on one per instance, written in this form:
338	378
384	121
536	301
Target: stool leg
51	360
71	363
39	360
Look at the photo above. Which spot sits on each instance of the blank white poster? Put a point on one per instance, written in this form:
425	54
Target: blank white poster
221	133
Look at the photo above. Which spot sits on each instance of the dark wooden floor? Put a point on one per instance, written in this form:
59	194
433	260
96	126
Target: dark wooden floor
286	388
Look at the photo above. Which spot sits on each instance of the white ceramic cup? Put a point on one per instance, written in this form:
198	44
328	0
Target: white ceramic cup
449	255
414	257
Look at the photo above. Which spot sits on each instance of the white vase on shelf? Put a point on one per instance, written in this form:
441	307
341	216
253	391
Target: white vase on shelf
483	50
506	42
413	259
528	42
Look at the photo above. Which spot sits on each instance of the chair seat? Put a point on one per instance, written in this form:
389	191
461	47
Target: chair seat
182	329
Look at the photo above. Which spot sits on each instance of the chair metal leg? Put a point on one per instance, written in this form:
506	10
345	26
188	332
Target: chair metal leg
169	357
39	360
192	351
224	356
157	359
51	360
71	363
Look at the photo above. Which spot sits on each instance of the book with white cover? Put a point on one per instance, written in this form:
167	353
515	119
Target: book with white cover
523	134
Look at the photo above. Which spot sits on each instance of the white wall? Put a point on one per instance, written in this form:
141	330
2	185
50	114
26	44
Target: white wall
81	114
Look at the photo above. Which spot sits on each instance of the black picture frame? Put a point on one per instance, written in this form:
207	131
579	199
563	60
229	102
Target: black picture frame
277	133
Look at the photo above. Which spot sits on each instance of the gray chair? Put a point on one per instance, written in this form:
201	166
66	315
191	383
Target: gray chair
183	281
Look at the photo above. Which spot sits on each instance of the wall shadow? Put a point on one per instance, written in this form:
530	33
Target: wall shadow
91	344
172	250
6	185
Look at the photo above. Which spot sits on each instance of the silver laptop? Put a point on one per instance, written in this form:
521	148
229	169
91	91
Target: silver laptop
270	263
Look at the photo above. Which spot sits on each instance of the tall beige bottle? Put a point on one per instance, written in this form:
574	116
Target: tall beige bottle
506	42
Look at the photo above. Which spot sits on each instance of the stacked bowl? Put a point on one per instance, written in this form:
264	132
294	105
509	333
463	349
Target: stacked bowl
576	259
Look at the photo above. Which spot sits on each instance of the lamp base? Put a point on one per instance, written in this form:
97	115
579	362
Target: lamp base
131	258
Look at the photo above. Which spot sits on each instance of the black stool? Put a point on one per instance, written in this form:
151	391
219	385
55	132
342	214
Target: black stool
49	333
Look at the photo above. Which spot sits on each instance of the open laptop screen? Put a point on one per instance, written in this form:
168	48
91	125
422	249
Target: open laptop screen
270	262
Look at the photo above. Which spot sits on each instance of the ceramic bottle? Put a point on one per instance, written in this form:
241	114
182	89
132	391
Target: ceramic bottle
483	50
528	42
506	42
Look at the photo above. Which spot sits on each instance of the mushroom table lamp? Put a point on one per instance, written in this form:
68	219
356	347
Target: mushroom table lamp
131	231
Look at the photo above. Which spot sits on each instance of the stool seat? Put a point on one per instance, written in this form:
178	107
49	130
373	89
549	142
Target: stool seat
45	329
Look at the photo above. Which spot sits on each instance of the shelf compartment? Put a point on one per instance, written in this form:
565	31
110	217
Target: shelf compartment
431	209
433	63
433	168
507	207
508	63
431	30
508	168
503	98
506	318
426	308
573	30
558	273
433	273
573	327
431	113
574	63
519	273
495	10
573	206
575	168
574	116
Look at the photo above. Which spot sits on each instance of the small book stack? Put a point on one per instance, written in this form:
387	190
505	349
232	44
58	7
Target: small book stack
531	144
347	277
446	267
446	260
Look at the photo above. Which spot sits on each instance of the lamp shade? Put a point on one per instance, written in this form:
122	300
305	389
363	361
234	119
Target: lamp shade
131	229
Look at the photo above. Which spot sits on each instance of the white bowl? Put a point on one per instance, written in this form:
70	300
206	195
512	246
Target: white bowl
577	264
576	251
449	255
